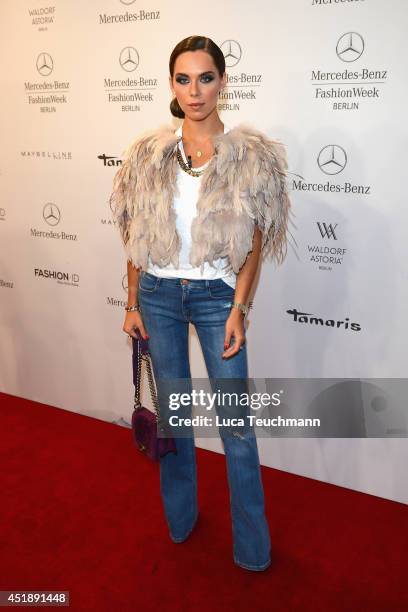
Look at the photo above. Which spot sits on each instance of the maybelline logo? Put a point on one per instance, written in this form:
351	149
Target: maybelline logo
6	284
52	216
58	155
240	86
311	319
331	160
325	255
2	214
354	84
48	93
130	92
63	278
42	16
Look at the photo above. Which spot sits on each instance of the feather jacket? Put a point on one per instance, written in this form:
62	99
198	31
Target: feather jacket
243	184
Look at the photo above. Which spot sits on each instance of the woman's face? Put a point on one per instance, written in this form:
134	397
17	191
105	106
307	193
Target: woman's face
196	84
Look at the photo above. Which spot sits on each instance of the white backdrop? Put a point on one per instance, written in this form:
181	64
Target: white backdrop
81	80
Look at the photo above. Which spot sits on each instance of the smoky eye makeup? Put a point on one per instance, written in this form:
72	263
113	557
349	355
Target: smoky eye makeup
206	77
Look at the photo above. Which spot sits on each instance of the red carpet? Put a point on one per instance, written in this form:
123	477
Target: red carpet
81	512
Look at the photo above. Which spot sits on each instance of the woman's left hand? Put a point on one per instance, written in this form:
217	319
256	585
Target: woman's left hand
234	326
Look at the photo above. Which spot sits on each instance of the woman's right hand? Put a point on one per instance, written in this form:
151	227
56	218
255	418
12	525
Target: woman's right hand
134	321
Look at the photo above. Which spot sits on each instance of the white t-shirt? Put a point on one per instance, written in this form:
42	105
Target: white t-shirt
185	207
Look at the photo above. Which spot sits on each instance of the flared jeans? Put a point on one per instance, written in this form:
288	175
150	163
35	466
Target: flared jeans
168	306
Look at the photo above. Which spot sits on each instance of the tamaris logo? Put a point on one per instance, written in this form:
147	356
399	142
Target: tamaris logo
63	278
311	319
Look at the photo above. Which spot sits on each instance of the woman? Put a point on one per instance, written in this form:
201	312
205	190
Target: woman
196	208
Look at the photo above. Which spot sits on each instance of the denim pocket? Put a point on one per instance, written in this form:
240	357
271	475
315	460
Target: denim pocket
148	282
219	289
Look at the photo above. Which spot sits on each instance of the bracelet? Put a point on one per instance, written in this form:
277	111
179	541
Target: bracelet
134	308
242	307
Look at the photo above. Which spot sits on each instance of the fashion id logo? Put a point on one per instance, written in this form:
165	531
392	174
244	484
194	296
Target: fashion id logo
62	278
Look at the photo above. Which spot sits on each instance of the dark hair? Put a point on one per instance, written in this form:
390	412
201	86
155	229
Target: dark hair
194	43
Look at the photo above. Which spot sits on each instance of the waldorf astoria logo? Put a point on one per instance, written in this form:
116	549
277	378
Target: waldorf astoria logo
51	214
131	93
47	94
242	86
312	320
59	276
348	85
42	17
328	253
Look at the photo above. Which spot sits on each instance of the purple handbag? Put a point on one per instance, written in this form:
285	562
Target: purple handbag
144	422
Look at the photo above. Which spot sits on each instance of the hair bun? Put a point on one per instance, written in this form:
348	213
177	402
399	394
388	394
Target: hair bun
176	110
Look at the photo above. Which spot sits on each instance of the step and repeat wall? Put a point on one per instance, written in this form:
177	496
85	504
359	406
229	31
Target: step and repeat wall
81	80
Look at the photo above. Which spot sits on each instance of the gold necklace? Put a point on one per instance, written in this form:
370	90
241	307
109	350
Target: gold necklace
185	166
199	152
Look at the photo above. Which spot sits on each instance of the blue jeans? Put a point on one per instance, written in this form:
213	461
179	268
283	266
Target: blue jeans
167	307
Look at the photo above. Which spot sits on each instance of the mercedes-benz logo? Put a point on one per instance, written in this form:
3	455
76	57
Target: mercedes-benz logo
125	282
232	52
129	59
350	47
332	159
127	1
44	64
51	214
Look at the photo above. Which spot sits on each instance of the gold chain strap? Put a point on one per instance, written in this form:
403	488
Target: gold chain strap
152	387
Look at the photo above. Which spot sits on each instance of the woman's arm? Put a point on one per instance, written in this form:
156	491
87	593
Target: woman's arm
133	283
133	320
235	323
